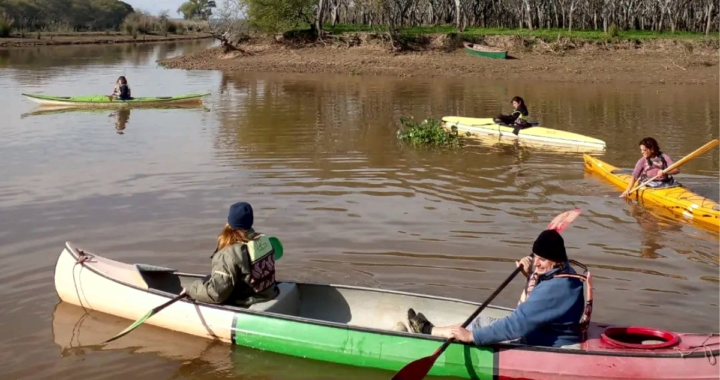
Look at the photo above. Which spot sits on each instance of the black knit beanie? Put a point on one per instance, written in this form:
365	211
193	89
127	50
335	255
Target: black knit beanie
551	246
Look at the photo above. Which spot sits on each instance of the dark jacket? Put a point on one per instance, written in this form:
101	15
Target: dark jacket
549	317
239	277
123	92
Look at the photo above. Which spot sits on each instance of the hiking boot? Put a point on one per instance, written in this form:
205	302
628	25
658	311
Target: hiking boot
418	323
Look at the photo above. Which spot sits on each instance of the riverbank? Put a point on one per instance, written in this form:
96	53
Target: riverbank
636	61
91	38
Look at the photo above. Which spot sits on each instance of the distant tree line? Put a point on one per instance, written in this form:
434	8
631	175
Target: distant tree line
648	15
64	15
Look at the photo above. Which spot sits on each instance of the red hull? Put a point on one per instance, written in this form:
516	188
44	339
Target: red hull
695	357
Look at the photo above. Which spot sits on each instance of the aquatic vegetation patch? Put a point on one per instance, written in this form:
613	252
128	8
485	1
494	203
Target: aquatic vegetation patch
428	132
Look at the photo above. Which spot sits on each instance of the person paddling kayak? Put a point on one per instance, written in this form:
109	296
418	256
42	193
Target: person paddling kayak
243	264
652	162
518	118
121	90
551	311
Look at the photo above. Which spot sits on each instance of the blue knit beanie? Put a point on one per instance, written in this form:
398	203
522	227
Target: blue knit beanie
240	216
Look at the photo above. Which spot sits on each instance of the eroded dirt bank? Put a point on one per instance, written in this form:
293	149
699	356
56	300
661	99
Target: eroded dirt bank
655	61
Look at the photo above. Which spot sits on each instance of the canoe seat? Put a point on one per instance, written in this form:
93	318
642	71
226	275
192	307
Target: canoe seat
287	302
158	277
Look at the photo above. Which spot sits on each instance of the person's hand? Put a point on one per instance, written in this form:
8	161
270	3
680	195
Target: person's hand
624	194
184	292
461	334
525	265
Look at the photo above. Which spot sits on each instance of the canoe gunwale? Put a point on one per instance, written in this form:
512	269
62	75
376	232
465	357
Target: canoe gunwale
697	353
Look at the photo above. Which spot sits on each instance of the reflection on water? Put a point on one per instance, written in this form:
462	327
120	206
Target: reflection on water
120	116
318	158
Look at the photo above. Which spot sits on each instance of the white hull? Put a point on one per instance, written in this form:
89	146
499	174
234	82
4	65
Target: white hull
124	293
547	137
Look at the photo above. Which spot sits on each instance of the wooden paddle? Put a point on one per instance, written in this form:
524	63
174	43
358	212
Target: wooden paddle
683	161
418	369
277	246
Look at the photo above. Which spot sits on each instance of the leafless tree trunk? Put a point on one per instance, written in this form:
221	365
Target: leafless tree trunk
710	6
319	16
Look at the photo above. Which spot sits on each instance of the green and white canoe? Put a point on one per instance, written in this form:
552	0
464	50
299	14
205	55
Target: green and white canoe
356	326
483	51
107	101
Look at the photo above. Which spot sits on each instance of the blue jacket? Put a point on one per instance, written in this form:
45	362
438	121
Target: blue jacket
549	317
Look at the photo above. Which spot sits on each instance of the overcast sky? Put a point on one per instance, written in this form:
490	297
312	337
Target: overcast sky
156	6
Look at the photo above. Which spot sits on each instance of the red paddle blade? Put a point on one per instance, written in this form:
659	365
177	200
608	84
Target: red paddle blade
563	220
416	370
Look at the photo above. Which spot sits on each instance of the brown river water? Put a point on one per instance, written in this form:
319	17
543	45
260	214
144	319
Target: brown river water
318	159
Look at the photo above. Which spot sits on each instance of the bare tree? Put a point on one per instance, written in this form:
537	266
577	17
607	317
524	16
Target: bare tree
230	27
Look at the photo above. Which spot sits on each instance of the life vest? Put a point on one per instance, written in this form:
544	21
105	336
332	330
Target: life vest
261	255
653	166
586	278
522	112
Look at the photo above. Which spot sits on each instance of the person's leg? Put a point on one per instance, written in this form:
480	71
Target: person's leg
419	324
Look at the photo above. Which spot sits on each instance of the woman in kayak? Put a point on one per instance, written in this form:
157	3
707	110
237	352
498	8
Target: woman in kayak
243	264
121	90
551	311
518	118
652	162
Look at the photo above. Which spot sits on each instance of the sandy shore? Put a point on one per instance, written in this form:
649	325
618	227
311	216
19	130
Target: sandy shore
53	39
669	62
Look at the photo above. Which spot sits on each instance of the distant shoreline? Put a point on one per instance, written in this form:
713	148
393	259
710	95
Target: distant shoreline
95	38
652	61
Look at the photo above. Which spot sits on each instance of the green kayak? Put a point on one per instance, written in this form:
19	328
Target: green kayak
107	101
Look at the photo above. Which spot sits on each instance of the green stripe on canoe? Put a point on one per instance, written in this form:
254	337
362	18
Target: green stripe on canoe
359	348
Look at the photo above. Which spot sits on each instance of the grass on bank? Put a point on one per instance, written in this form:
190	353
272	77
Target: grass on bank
544	34
428	133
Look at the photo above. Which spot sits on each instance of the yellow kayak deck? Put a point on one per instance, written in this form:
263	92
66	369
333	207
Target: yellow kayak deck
545	136
679	200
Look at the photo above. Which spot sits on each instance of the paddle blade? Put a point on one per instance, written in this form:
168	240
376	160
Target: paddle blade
416	370
131	327
277	246
563	220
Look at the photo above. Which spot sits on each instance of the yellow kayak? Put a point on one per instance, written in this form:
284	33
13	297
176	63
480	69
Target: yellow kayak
483	127
679	200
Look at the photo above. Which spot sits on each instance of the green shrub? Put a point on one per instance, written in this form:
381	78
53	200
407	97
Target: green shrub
613	31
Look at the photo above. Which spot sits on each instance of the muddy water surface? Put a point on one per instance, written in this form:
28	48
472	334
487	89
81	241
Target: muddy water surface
318	159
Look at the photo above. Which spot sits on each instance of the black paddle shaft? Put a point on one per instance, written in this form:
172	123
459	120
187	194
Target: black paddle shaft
480	309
